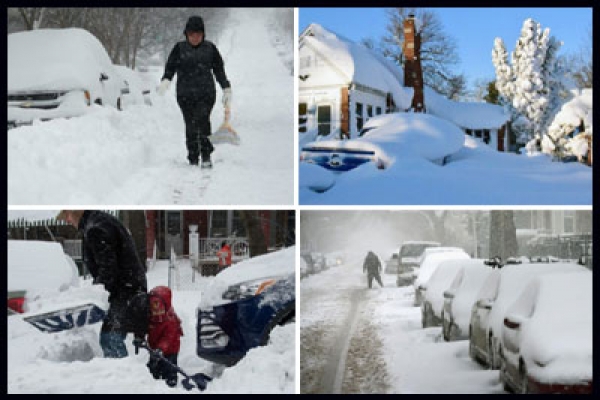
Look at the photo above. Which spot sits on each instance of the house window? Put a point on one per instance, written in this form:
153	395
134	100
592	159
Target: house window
369	111
302	117
478	133
324	120
569	221
218	223
238	226
359	116
469	132
486	136
378	111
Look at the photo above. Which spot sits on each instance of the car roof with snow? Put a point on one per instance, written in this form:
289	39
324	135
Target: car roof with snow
38	266
72	58
432	261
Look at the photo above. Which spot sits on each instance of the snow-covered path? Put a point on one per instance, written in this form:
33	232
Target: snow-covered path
384	349
138	156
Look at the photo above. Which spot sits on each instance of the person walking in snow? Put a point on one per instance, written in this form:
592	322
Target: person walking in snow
372	266
195	60
164	335
112	259
224	255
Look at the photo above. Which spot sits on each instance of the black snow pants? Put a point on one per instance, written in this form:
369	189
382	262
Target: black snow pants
370	279
196	114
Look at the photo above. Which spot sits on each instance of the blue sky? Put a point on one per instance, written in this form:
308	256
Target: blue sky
474	29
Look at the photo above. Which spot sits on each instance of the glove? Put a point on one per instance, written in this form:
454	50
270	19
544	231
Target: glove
163	87
227	97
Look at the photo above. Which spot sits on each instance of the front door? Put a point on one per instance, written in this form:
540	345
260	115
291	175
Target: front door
173	234
324	119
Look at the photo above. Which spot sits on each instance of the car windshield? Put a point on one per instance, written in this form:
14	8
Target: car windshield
413	250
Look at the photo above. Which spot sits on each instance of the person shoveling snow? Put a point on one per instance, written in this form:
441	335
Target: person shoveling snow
195	60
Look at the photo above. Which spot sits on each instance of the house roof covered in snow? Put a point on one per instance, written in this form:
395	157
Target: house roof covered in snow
467	115
360	65
357	64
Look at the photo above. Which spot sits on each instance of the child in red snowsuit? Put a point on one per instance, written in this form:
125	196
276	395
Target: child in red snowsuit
164	332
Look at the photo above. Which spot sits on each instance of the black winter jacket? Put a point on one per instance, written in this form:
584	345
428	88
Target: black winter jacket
194	67
372	264
110	255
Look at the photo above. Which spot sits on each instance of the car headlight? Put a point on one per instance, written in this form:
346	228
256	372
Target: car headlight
248	289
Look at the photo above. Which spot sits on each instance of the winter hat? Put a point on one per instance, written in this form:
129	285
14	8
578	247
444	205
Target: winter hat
194	24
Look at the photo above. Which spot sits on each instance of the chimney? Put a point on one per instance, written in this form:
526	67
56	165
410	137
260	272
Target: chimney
413	73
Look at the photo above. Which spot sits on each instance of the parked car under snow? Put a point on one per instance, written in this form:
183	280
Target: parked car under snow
409	258
548	336
460	297
385	138
36	269
497	293
58	73
430	263
244	303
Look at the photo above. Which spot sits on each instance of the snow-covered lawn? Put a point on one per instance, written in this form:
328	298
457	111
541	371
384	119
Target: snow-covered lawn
476	175
379	332
138	156
72	362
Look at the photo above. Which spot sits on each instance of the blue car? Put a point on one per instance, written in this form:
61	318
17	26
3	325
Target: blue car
336	158
226	332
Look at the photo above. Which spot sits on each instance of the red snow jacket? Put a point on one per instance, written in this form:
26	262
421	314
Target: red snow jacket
224	256
164	328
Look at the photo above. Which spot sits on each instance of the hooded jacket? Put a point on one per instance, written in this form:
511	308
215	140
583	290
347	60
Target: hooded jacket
111	256
164	328
195	66
372	264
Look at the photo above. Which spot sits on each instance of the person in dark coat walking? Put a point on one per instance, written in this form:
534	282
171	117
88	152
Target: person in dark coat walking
164	333
195	60
372	266
112	259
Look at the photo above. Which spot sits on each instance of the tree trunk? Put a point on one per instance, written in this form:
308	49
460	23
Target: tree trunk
503	234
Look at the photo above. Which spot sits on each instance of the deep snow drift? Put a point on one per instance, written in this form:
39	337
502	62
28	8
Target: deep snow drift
72	362
138	156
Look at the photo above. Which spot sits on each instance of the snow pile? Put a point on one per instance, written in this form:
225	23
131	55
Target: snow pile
474	175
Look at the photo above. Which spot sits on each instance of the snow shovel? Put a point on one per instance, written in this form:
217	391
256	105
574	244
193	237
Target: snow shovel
199	379
68	318
225	133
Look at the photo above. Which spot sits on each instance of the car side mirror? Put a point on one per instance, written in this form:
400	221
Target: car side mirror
103	77
448	294
513	321
484	303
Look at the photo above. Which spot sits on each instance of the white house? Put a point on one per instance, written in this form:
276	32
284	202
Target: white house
342	84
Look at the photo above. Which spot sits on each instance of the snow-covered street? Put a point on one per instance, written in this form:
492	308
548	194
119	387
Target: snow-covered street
72	362
138	156
360	340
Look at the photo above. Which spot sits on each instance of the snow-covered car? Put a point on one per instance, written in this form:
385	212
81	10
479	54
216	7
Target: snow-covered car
243	304
432	291
335	259
460	297
392	264
497	293
36	269
58	73
428	266
386	137
548	336
137	89
410	254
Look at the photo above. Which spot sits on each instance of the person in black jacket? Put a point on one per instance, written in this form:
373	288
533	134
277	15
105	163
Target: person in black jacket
195	60
112	259
372	266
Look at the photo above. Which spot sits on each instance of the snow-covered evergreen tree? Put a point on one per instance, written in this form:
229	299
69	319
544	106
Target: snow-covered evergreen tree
531	85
